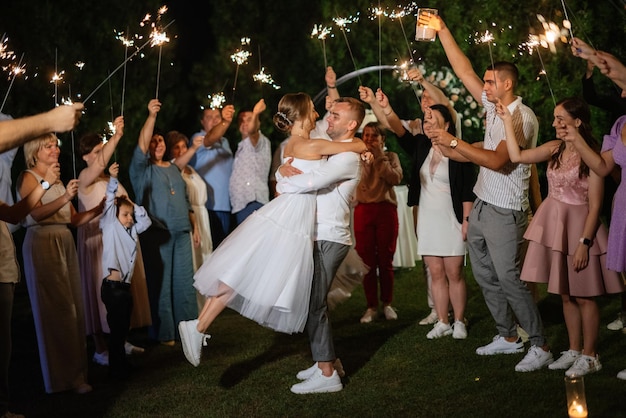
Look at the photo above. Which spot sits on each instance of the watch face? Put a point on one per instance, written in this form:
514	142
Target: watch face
45	185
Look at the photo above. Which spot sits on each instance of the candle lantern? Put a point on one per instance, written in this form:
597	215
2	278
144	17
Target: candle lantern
576	401
424	31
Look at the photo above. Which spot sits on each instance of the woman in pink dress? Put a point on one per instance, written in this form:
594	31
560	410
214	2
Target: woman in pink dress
567	242
91	191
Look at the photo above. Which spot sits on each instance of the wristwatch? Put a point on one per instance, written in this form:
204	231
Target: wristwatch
44	184
454	143
586	241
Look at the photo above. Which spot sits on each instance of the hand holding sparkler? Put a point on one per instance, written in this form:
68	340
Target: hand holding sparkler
64	118
613	68
118	128
228	112
582	50
367	95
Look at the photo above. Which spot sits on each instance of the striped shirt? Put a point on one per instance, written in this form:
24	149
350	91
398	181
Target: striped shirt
508	187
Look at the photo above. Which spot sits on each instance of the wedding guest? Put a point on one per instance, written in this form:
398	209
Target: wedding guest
10	276
166	245
214	162
248	186
121	223
567	247
179	154
51	269
376	221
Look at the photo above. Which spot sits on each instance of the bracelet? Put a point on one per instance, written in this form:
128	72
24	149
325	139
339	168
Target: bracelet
331	87
388	114
466	219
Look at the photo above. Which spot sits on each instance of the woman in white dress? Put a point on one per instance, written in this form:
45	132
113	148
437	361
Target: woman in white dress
444	183
264	268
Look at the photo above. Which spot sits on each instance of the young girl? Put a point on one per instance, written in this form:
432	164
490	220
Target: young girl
567	247
120	238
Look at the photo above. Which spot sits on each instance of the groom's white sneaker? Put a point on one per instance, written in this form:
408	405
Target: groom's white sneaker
192	341
318	383
305	374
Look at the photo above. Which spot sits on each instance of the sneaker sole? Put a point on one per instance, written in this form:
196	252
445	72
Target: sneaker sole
329	389
434	337
187	350
493	353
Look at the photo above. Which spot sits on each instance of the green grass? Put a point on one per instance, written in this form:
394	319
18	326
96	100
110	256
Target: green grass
392	369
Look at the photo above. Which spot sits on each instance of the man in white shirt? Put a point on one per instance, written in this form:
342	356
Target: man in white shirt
335	183
498	218
248	187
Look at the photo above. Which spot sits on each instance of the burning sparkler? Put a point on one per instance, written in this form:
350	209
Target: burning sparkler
342	23
321	32
240	57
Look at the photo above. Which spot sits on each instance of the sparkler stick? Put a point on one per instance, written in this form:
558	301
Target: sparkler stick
547	78
321	33
127	43
399	15
342	23
17	70
569	24
487	38
122	64
379	12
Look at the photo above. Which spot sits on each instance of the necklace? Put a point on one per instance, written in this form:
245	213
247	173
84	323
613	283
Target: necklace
167	178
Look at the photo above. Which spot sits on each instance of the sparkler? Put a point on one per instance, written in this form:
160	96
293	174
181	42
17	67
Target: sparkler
566	23
321	32
217	100
399	15
122	64
266	78
15	70
240	57
157	38
532	44
343	23
126	42
377	12
488	38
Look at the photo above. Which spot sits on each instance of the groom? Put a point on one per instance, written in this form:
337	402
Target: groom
335	183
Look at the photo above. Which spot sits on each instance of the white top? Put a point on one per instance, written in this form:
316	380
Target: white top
335	182
507	188
251	167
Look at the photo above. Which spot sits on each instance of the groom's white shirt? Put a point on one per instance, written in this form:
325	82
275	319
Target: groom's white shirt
335	182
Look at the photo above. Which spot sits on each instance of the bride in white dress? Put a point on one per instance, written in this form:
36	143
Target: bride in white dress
264	268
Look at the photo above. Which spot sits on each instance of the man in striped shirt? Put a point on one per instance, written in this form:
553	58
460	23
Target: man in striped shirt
498	218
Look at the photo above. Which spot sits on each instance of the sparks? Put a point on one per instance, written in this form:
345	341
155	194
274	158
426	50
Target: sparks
158	38
57	77
217	100
80	65
321	32
266	78
343	22
240	56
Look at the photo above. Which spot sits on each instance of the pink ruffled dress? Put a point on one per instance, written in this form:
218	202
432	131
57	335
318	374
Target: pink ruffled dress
554	235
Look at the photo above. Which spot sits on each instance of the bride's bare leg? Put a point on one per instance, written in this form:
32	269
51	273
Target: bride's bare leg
213	307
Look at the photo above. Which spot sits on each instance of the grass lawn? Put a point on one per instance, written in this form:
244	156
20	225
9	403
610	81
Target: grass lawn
392	369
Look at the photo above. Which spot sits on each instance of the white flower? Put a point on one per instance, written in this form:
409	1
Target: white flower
473	105
467	123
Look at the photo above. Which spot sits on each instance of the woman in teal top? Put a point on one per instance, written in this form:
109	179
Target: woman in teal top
166	245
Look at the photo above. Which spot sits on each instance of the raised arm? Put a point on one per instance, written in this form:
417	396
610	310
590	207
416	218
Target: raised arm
460	63
92	172
145	135
516	154
601	164
438	96
217	132
331	83
16	132
367	96
182	161
393	121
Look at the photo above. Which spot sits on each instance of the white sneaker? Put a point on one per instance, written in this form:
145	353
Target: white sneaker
618	324
584	365
459	330
192	341
318	383
499	345
430	319
565	361
439	330
101	358
132	349
390	313
307	373
368	316
535	359
622	375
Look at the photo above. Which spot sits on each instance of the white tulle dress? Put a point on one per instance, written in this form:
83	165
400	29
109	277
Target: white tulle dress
268	262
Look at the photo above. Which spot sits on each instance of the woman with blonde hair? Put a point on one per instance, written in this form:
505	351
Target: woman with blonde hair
51	269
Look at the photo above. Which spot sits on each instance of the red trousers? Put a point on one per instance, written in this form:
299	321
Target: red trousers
376	232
